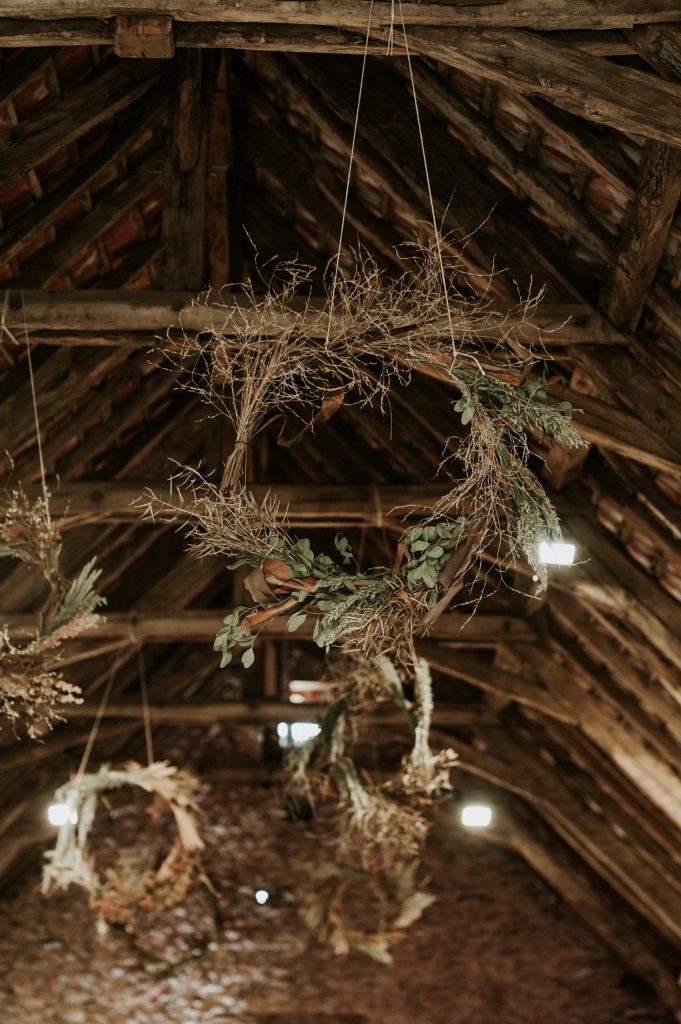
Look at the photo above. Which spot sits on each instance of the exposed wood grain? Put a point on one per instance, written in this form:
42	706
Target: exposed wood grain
48	265
626	99
183	260
144	36
644	235
537	14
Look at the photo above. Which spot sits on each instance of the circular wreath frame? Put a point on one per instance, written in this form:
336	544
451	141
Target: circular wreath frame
112	897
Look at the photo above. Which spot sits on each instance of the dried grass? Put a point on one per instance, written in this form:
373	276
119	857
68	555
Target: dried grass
32	687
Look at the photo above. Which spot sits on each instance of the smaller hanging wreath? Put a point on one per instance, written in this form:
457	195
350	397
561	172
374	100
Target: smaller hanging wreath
116	893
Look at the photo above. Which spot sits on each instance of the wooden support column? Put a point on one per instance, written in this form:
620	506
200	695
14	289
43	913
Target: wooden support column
217	184
644	235
184	209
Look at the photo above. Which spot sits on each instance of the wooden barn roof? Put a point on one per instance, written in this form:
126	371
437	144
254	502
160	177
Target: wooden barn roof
145	158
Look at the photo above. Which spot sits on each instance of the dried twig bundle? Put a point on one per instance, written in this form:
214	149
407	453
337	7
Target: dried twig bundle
31	684
379	836
118	892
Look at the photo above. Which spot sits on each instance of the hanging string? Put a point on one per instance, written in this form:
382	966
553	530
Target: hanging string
391	30
349	177
145	705
436	230
100	714
43	475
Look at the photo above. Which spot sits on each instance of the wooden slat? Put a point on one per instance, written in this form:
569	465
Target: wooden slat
55	260
43	134
16	235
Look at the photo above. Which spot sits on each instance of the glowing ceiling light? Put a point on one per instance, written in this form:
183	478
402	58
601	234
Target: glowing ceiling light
476	816
301	732
59	814
261	896
556	553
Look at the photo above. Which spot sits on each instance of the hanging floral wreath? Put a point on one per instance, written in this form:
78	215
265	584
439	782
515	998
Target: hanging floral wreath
277	356
118	892
32	687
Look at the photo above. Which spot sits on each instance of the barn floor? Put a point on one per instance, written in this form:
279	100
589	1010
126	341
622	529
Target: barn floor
496	946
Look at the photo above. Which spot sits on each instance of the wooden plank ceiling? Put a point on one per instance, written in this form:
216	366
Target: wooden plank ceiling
224	129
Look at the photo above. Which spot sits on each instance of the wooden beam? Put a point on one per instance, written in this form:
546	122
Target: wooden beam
269	712
152	626
183	260
144	36
96	314
539	187
522	688
628	100
561	870
43	134
219	195
542	15
645	234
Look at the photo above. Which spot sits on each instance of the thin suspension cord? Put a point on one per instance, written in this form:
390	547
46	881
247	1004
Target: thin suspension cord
145	705
100	714
428	185
43	475
349	177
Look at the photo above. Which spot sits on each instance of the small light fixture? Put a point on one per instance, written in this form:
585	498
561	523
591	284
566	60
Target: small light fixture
556	553
261	897
296	733
60	814
476	816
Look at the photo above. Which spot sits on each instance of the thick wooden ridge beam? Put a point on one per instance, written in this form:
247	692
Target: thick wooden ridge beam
534	14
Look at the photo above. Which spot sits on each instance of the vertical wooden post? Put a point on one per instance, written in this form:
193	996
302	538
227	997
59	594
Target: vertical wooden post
217	184
183	263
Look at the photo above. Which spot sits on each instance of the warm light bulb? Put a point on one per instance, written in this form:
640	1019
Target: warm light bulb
60	814
556	553
476	816
261	896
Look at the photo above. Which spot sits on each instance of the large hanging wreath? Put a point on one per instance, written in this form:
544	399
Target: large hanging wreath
278	356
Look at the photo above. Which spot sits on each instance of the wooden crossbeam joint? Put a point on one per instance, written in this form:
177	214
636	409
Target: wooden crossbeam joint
144	36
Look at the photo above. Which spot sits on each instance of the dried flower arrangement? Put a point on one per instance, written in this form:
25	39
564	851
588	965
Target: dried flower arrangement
31	685
379	833
278	355
118	892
